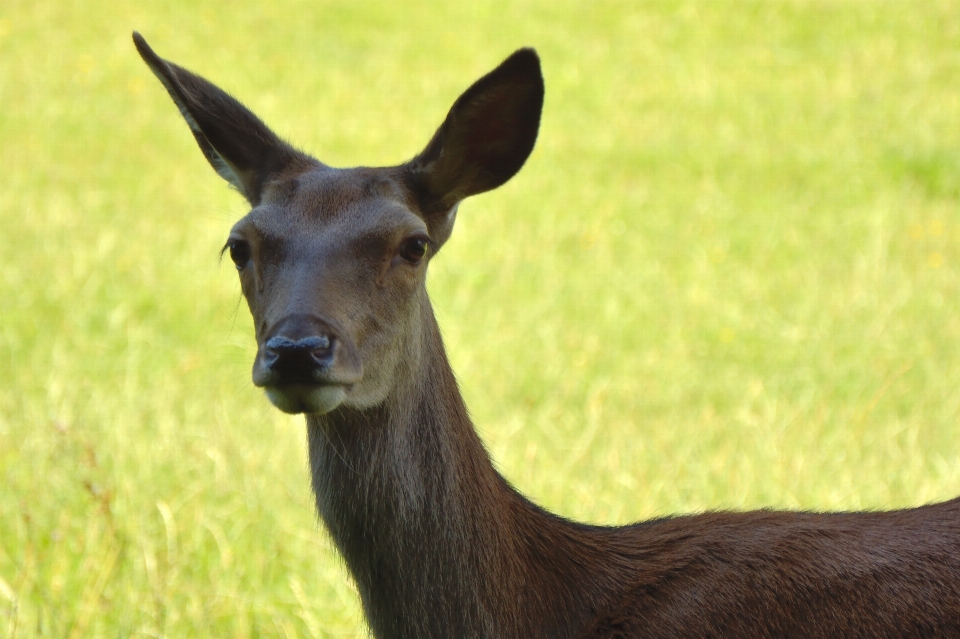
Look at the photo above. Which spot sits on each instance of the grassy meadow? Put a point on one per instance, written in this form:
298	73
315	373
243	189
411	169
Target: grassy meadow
726	278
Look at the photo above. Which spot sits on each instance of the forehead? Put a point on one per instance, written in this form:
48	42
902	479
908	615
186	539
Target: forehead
358	200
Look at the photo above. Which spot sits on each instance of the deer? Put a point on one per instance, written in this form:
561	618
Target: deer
332	264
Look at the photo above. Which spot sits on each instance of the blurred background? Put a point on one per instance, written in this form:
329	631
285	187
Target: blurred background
726	278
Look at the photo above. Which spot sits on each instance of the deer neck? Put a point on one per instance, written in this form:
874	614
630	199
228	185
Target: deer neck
438	542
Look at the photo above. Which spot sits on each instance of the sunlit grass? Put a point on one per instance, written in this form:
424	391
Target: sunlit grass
726	278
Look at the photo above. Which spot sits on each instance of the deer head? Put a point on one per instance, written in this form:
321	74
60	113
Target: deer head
332	262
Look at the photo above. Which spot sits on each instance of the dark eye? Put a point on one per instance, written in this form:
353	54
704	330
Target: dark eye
239	252
414	249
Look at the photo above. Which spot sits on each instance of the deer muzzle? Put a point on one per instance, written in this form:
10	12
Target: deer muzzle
306	365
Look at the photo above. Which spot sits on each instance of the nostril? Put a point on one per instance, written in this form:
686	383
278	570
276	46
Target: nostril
315	343
319	347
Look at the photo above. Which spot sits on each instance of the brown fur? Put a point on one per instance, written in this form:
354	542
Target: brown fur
440	545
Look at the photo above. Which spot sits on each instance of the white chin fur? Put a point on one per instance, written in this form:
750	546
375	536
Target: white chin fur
300	398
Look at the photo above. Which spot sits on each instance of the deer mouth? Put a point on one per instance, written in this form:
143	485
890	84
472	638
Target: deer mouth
300	397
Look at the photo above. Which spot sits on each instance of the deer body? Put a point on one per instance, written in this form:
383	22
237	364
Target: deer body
332	264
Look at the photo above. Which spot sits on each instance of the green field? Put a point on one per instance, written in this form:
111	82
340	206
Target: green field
726	278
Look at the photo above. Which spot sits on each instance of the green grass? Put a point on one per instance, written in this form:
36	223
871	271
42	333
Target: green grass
727	278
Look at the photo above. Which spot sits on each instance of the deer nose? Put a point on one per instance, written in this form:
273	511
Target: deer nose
298	360
306	350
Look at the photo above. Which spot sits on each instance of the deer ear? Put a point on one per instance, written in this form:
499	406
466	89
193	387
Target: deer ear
487	136
236	143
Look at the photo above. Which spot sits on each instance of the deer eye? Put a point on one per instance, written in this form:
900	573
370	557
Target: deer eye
414	249
239	253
